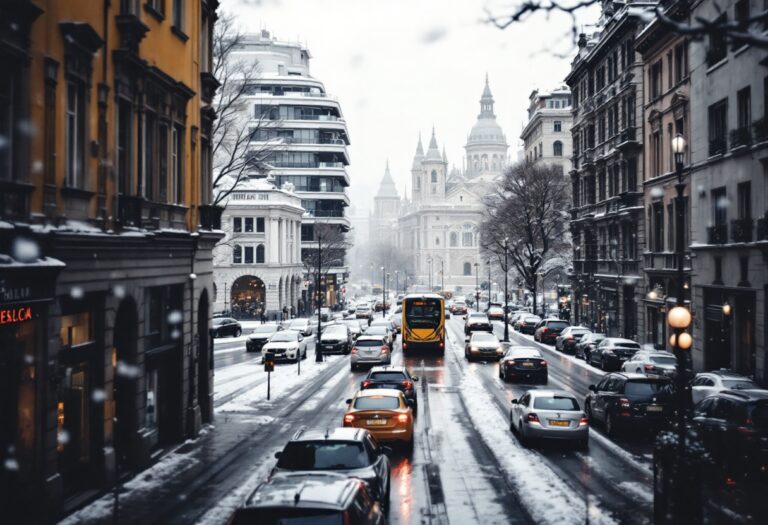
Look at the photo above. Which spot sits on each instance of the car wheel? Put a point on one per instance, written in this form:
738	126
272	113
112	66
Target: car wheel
637	370
603	364
610	425
238	332
215	335
521	436
588	411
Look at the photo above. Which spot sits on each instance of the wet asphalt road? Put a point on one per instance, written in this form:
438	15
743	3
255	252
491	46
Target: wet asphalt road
453	475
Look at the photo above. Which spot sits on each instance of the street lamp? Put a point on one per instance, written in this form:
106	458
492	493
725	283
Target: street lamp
477	287
383	293
506	293
373	278
397	282
429	276
442	275
489	282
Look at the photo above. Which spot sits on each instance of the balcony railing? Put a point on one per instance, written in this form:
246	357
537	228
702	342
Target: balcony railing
628	135
717	234
717	145
326	213
760	130
741	137
762	228
313	140
741	230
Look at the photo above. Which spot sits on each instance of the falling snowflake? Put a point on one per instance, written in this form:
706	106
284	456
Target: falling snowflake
175	334
76	292
11	464
98	395
62	436
28	359
25	250
175	317
118	291
657	193
128	371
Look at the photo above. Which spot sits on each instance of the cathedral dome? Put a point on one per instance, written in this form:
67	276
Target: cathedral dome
486	130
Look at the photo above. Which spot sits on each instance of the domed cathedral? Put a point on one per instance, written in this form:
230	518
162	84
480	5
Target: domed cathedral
386	209
439	226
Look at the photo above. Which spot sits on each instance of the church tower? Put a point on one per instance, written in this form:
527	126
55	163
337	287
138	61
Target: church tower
417	173
434	167
486	148
386	208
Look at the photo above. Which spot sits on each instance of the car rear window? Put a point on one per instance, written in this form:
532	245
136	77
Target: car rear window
555	403
369	342
557	325
388	376
287	516
739	384
664	360
323	455
643	388
377	403
628	345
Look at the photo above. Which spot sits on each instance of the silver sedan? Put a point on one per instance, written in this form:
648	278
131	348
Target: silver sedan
550	414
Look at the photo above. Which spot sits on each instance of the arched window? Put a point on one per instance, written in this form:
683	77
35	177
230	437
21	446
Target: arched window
467	269
466	239
434	176
454	239
260	254
557	148
237	254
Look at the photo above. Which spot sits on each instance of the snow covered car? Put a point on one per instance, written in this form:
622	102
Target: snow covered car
302	325
549	414
483	345
336	338
709	383
496	313
260	336
225	326
287	345
651	363
370	350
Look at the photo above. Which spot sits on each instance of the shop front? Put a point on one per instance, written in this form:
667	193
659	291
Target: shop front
25	297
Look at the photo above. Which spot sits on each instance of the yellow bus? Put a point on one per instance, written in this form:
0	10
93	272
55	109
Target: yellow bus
423	322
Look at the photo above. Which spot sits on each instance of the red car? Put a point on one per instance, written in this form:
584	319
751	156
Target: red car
548	330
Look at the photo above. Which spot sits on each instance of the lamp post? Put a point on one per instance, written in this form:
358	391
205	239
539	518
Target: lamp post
489	282
383	292
397	282
319	292
442	275
429	269
373	278
506	293
477	287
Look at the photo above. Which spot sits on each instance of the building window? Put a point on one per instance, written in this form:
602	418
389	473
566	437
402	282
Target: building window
76	329
177	170
125	147
10	105
744	270
655	79
454	239
557	149
681	62
719	206
260	254
156	7
248	259
75	134
718	270
558	126
718	119
178	14
437	241
467	268
657	222
744	196
237	254
249	225
718	47
237	224
744	116
259	224
741	13
434	176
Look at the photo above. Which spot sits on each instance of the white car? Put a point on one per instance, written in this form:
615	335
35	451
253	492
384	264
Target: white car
708	383
288	345
651	363
370	350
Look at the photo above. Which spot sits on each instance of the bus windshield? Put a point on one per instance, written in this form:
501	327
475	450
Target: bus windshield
423	313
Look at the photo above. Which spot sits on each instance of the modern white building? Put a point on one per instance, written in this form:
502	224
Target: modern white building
257	266
547	134
309	128
439	226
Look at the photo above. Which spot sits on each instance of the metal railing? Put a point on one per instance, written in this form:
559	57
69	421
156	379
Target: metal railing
741	230
717	234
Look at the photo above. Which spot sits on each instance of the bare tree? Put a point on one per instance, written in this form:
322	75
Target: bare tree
241	145
527	213
674	15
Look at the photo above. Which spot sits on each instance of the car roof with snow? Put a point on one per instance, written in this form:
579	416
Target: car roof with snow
385	392
522	352
366	337
333	434
306	489
387	368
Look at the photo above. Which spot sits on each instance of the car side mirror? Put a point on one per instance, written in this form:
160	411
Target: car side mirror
410	402
385	449
301	338
514	401
278	454
348	401
415	378
593	388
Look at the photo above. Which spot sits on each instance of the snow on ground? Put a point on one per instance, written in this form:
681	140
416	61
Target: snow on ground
284	382
637	491
231	378
243	338
545	495
314	403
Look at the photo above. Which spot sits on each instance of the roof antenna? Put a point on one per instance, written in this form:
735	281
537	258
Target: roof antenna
326	433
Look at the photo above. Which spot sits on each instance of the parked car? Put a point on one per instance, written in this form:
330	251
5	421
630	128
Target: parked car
708	383
383	332
527	324
370	350
302	325
363	311
548	330
352	452
549	414
733	428
224	326
288	345
260	336
568	338
611	353
397	377
523	362
336	338
496	313
316	497
459	308
515	316
587	345
477	322
384	412
651	362
354	327
325	314
484	346
621	400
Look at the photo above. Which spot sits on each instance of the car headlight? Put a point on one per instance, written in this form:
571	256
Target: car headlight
500	350
474	348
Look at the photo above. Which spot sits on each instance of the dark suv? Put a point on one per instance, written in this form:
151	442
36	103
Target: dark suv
548	330
396	377
316	497
349	451
733	427
620	400
260	336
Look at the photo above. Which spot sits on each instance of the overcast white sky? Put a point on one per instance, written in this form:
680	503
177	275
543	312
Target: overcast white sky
398	66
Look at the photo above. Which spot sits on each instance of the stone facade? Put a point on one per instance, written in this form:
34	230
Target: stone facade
547	134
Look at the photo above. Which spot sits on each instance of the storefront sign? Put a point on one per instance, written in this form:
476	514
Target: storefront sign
249	196
10	294
15	315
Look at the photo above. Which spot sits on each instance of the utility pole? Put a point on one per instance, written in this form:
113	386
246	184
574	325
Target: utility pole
477	287
383	293
318	291
489	283
506	293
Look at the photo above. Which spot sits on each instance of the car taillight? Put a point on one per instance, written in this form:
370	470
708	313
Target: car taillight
355	350
349	418
405	345
624	402
543	363
545	329
583	421
366	383
570	338
345	518
402	418
533	418
407	384
649	368
385	348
